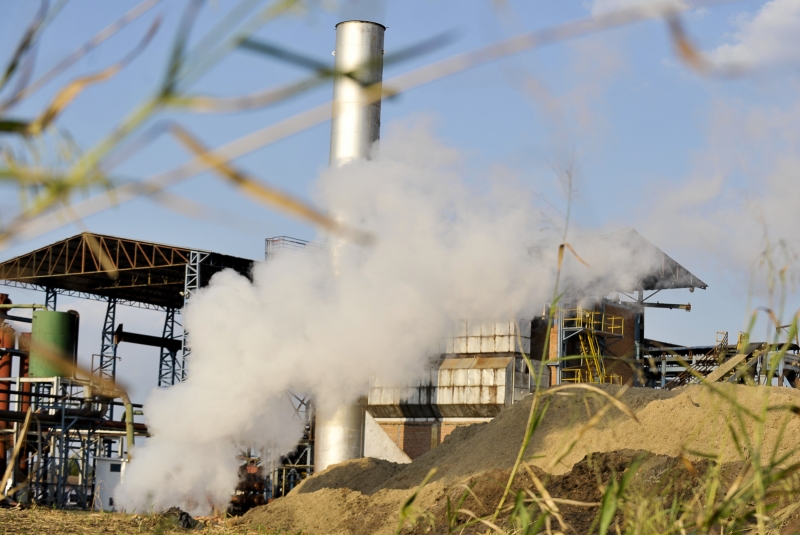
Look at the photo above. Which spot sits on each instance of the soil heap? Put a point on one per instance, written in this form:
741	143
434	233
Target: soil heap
365	496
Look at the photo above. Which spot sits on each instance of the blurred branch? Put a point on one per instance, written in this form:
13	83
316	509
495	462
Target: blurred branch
264	193
72	58
26	44
323	72
74	88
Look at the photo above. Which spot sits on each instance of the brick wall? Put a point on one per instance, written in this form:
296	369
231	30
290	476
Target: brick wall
538	332
414	438
620	353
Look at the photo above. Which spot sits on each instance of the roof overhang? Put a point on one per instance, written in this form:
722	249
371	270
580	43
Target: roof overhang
132	271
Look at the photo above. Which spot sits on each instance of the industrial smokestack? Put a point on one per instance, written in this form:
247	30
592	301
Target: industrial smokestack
356	124
358	65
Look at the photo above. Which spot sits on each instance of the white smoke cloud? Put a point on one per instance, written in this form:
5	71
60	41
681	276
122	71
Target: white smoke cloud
741	196
447	248
769	37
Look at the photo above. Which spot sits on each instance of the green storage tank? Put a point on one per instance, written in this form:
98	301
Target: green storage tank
54	335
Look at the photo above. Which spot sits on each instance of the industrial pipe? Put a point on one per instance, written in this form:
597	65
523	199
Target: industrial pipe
173	345
128	421
95	424
687	307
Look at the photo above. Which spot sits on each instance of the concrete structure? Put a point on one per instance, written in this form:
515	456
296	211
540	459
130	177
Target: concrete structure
481	371
109	473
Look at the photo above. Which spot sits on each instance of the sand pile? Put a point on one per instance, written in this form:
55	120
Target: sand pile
364	496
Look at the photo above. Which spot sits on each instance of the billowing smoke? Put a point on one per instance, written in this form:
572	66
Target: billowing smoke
325	324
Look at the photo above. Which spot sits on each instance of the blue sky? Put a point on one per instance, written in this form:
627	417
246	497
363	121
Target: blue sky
689	160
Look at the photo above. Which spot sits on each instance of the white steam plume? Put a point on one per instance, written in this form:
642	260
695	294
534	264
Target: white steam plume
445	249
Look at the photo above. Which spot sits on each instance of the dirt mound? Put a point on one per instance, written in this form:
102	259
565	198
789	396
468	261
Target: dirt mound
365	496
362	475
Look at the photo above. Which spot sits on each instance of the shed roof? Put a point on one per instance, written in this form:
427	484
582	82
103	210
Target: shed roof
98	266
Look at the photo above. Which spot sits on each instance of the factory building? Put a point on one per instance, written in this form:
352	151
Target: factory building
65	436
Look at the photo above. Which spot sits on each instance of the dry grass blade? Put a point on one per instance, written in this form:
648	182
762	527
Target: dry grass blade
576	255
269	195
176	59
28	227
323	72
289	56
102	255
483	521
259	99
689	54
548	500
76	87
576	503
614	400
406	509
70	60
470	492
31	227
25	44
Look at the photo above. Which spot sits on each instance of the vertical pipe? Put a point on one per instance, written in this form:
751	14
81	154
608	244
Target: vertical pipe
638	336
339	431
358	65
340	434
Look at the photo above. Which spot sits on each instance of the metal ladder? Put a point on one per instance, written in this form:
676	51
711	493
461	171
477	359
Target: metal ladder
590	349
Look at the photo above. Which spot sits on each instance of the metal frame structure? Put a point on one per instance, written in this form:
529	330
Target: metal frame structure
107	365
192	282
168	360
65	435
121	271
118	271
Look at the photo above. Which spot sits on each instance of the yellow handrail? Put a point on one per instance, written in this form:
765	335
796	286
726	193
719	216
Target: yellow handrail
590	320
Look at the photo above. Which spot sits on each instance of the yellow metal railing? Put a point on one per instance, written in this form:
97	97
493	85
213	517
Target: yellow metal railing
590	320
590	324
580	375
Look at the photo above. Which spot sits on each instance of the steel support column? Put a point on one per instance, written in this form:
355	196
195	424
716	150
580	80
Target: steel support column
107	366
193	283
50	298
168	363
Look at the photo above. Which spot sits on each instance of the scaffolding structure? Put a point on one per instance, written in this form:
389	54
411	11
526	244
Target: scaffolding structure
744	362
70	426
60	429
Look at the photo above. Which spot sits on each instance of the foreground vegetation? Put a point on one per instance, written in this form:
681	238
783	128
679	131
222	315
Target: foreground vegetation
43	520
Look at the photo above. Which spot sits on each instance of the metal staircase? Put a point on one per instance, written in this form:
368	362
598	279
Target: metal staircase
589	326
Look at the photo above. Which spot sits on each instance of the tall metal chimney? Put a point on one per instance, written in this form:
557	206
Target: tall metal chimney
339	431
356	123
